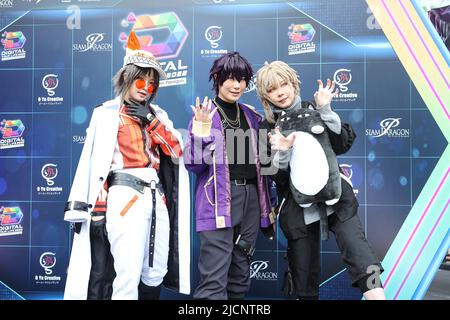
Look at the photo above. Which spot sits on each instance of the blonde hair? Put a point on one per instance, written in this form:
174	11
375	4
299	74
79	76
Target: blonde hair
268	78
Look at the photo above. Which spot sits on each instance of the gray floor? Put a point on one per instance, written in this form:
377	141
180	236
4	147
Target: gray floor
440	286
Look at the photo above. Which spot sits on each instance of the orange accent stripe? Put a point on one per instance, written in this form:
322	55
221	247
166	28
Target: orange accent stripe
139	142
128	206
132	146
135	144
165	146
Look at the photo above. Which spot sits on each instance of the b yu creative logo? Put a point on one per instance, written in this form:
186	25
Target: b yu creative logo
343	77
49	172
47	261
50	82
213	34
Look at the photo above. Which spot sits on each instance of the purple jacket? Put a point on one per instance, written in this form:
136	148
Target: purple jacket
207	158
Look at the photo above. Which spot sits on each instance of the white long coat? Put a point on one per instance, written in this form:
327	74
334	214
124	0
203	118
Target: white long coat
92	171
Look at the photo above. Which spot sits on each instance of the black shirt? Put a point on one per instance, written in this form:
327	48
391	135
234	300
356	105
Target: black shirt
241	159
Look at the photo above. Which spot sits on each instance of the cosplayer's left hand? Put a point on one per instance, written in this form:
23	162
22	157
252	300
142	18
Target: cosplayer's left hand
269	232
324	95
140	112
280	142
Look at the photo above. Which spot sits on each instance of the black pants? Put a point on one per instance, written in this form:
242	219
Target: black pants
102	263
304	254
223	266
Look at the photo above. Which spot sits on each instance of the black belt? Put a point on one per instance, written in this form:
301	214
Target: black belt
125	179
76	205
151	246
242	182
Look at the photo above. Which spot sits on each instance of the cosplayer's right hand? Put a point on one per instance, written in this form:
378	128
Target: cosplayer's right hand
280	142
203	112
141	113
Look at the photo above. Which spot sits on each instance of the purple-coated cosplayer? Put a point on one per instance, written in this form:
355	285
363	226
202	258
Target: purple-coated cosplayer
231	195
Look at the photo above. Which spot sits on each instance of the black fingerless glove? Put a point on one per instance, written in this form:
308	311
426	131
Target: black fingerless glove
140	112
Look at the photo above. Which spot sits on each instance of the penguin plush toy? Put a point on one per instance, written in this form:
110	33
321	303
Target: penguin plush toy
314	170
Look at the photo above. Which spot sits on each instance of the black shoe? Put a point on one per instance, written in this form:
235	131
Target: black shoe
236	296
445	265
148	292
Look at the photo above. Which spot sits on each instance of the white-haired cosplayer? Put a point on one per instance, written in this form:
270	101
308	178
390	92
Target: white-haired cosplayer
129	200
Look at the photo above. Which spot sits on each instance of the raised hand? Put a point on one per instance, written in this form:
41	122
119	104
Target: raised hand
324	95
280	142
203	112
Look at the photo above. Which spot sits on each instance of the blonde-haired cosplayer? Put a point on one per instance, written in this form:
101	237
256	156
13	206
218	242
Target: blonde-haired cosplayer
268	77
278	88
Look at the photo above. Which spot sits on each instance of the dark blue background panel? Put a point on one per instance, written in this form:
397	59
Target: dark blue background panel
63	71
16	91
